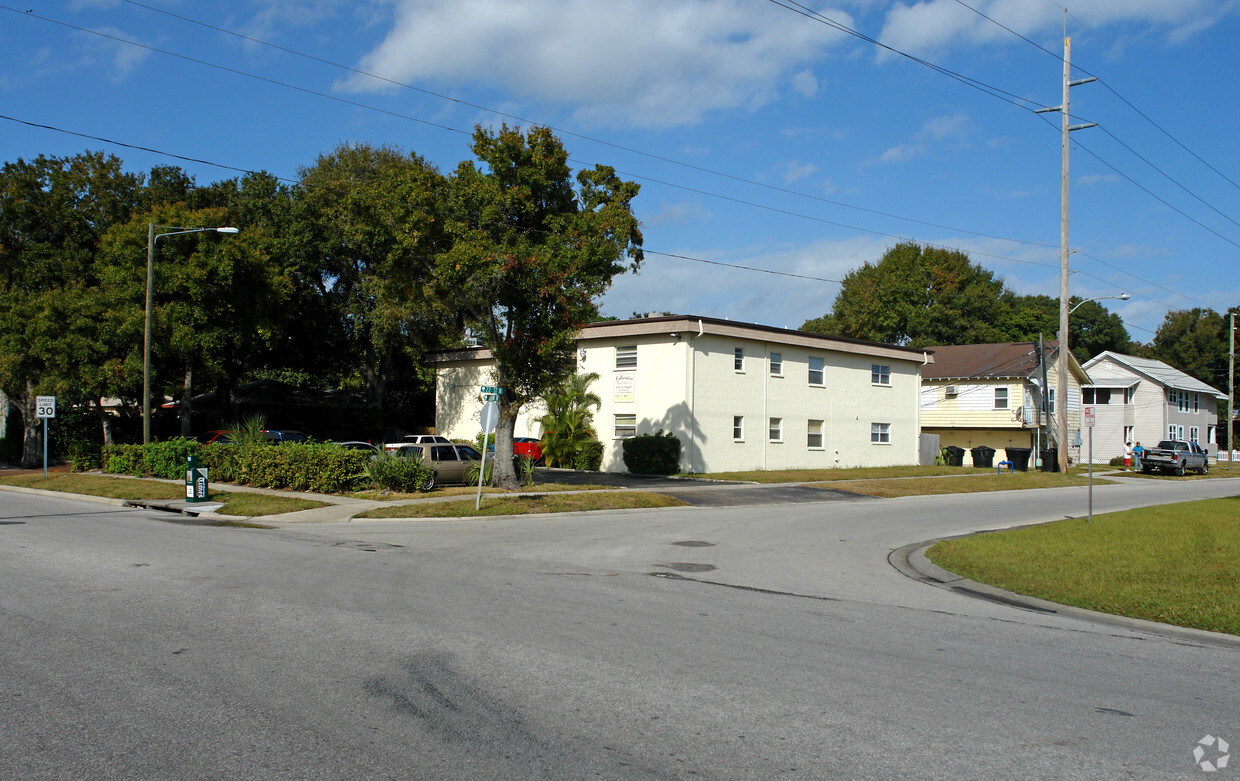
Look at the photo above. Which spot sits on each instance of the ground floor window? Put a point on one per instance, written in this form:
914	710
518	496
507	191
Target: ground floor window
1193	434
738	427
777	430
813	438
880	433
625	426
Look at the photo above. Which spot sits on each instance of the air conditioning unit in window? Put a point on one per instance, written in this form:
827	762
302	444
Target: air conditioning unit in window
952	390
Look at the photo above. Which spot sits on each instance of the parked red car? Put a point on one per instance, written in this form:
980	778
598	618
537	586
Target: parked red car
527	447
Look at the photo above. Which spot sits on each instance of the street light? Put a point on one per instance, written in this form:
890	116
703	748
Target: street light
1120	297
151	238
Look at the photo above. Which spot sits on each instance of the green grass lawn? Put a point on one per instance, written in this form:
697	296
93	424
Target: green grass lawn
247	504
524	504
973	481
1175	564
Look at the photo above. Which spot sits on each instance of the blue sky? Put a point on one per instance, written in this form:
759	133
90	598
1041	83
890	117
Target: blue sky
762	137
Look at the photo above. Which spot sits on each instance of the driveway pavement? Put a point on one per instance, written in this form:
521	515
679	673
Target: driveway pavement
704	493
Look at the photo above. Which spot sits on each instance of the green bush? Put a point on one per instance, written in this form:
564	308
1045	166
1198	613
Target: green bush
589	455
300	466
122	459
401	474
652	454
84	456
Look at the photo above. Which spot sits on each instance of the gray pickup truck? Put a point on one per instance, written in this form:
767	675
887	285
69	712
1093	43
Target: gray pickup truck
1176	456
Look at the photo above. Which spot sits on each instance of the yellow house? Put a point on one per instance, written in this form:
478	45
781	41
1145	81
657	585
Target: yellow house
991	394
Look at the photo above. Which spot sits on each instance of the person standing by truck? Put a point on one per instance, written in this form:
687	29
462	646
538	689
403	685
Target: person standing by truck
1128	456
1137	452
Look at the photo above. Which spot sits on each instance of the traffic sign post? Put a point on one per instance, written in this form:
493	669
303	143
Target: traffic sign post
489	419
45	408
1088	419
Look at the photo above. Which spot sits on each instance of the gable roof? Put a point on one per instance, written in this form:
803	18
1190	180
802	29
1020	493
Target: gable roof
1164	374
986	361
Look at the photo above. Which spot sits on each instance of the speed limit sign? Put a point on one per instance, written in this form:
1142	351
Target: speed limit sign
45	407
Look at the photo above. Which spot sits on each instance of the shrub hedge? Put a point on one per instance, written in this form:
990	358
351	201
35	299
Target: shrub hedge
589	456
300	466
652	454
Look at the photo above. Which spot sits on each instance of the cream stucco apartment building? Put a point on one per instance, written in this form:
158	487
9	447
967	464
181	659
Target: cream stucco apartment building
738	396
1144	400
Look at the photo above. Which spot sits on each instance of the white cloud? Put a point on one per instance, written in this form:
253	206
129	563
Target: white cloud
902	153
795	171
648	63
678	214
116	59
934	25
939	128
1092	179
688	287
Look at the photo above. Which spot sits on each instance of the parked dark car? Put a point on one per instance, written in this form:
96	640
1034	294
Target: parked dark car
280	435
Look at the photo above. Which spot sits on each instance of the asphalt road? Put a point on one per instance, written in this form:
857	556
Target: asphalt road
688	643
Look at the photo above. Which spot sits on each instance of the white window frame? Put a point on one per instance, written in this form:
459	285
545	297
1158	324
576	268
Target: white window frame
880	433
777	364
811	434
1171	432
626	357
1128	433
738	428
738	359
821	371
880	374
1002	393
1193	434
1050	401
775	429
624	425
1196	404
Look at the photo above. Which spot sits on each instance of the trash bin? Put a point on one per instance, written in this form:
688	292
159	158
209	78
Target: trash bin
1019	456
954	455
1050	459
983	457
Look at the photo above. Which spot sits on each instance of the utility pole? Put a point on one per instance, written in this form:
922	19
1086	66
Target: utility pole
1231	385
1061	427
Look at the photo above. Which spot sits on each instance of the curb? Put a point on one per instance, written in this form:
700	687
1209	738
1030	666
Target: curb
911	561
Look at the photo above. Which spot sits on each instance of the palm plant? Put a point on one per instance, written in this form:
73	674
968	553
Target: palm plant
569	420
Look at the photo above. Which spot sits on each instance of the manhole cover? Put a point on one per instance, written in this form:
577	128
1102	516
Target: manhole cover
684	566
694	544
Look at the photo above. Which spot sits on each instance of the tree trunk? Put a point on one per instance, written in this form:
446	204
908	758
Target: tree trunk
105	421
504	475
32	442
187	403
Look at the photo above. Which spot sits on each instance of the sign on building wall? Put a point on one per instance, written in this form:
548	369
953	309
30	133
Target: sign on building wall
624	387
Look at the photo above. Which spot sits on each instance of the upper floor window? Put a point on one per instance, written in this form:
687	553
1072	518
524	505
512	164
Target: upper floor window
1050	401
880	374
738	359
1096	395
777	364
1001	398
816	375
626	357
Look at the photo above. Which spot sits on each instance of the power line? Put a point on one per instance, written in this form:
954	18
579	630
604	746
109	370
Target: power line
591	139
